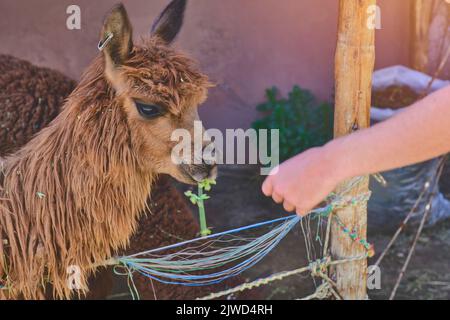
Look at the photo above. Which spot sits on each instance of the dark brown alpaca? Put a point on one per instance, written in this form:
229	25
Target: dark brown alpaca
30	97
72	196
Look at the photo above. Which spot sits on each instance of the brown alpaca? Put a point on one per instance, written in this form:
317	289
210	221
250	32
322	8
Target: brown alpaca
73	194
31	97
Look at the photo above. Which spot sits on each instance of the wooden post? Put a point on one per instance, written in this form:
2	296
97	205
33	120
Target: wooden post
355	58
421	16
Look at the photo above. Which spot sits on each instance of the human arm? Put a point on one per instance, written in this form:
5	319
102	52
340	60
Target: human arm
419	133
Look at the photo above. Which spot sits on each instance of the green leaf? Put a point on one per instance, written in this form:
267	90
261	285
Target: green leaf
206	184
205	232
40	195
302	121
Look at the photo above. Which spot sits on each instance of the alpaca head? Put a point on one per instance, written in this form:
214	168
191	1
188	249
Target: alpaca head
158	89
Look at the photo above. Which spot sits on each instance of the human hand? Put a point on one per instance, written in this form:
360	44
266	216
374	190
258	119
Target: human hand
303	181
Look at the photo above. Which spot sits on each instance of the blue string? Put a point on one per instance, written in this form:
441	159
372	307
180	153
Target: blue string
172	269
176	268
208	279
216	235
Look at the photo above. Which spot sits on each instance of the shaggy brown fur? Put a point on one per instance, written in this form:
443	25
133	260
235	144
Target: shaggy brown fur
72	196
29	97
169	218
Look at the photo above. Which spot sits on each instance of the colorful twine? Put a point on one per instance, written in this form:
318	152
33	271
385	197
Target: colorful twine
191	262
354	235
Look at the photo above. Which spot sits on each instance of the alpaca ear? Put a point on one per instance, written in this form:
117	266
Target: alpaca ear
169	22
116	38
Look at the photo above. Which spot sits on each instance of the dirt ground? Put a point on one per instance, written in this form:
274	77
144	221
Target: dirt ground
237	201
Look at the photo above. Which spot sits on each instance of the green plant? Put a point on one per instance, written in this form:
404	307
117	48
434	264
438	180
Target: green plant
303	122
198	200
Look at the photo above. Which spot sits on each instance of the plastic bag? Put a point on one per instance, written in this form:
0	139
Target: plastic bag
389	205
401	76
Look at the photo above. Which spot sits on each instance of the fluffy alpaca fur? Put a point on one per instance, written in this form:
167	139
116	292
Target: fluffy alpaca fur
73	194
168	218
30	96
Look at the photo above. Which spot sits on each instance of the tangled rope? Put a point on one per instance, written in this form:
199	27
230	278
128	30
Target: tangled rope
316	268
184	267
217	257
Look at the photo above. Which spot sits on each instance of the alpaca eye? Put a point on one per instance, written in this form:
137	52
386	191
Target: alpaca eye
149	111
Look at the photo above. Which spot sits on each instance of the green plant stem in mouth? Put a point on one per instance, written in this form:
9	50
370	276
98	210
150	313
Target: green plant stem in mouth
198	200
204	231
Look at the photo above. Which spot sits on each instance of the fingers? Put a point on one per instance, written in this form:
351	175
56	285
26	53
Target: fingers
268	190
301	211
267	187
277	198
288	206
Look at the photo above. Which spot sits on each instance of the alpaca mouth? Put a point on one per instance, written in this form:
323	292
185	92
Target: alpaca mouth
197	173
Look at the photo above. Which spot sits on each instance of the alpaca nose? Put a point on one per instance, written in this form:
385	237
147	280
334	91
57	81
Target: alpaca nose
208	171
210	164
212	172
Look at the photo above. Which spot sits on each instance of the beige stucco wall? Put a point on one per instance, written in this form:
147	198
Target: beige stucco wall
245	45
